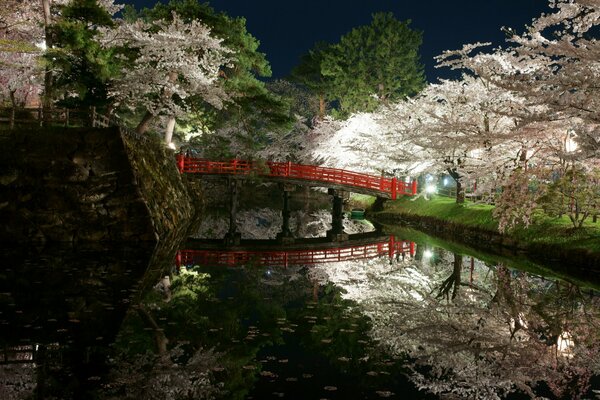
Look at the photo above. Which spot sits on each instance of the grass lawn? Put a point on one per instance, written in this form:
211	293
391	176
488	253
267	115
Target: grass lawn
545	229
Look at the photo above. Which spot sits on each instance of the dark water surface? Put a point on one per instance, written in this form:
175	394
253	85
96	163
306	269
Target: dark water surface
77	323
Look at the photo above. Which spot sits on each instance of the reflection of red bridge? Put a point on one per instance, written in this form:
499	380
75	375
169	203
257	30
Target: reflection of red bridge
298	256
301	174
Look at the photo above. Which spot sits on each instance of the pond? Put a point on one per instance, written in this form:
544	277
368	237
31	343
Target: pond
395	317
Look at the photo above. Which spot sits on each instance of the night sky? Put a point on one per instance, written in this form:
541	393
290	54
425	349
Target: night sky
289	28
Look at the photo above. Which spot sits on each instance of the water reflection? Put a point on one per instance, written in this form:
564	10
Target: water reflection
478	332
60	309
300	252
265	223
435	324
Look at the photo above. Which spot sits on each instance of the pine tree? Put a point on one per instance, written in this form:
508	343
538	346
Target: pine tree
83	67
309	74
374	64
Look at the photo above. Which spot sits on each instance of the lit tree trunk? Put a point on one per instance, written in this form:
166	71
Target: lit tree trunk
48	81
321	106
169	130
460	190
144	123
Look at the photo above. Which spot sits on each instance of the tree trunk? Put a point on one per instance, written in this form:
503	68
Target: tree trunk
453	281
456	271
523	158
144	123
13	102
169	130
159	335
48	79
460	190
321	107
460	193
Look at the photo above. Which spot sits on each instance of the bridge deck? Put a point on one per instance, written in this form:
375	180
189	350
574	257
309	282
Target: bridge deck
300	174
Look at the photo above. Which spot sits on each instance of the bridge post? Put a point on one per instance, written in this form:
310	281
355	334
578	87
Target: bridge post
414	187
285	236
180	162
394	188
391	247
336	233
233	237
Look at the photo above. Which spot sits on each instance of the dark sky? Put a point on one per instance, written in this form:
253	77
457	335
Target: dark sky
289	28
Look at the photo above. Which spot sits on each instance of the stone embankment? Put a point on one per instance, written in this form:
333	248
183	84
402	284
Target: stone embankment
89	185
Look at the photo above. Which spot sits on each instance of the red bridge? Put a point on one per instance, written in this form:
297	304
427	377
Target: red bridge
284	258
299	174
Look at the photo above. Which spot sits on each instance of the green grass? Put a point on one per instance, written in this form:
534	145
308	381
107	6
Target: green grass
543	230
361	200
446	209
520	263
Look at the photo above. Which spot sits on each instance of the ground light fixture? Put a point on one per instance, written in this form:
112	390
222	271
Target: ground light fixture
427	254
430	189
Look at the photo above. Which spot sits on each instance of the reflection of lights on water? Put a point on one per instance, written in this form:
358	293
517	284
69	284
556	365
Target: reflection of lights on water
268	272
565	344
430	189
427	254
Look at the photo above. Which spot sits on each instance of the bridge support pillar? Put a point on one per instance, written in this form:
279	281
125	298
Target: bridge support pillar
336	233
233	237
285	236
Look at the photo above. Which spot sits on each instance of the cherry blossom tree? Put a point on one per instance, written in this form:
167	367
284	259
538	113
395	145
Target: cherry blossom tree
20	70
168	62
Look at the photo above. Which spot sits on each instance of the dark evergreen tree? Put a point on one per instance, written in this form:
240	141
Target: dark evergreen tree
309	74
373	64
82	67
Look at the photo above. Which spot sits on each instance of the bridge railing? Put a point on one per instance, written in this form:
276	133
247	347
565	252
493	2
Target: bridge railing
393	186
294	257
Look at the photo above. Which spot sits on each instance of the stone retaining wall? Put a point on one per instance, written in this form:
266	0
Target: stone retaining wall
88	184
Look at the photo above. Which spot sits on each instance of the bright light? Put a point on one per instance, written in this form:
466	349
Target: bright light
446	181
565	344
172	146
427	254
429	178
430	189
475	153
570	145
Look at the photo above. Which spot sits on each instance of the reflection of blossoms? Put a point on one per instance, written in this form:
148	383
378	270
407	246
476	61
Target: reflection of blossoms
499	334
265	223
150	376
17	381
